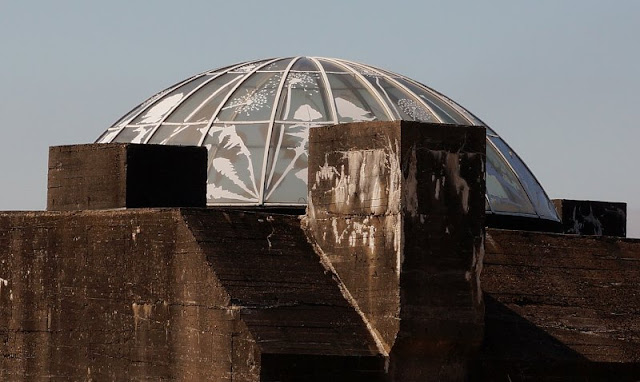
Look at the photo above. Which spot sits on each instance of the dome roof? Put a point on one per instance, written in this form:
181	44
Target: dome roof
254	117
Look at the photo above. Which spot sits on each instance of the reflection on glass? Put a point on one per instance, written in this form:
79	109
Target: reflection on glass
503	188
543	205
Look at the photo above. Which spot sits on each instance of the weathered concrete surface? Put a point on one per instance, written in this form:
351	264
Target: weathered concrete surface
396	210
560	307
589	217
118	175
168	294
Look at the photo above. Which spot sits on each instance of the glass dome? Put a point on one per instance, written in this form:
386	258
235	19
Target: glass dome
254	119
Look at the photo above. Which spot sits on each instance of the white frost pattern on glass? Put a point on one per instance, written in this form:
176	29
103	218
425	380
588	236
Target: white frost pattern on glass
346	109
414	110
142	131
215	192
158	111
306	113
253	100
302	174
306	82
246	68
225	167
248	102
233	140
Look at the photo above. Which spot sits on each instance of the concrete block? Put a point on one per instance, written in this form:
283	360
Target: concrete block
590	217
117	175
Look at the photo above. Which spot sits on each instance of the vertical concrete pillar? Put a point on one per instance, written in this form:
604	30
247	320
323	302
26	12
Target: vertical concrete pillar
396	211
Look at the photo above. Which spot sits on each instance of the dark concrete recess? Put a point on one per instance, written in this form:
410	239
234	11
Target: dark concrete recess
118	175
589	217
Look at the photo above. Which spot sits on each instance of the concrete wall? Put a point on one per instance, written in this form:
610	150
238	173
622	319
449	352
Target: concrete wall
384	279
396	210
560	307
172	295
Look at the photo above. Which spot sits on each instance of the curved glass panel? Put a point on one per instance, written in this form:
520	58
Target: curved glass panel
182	135
330	67
253	100
164	105
201	105
134	134
354	102
404	104
255	123
288	156
302	99
236	154
544	206
108	135
276	66
248	68
445	112
503	188
305	64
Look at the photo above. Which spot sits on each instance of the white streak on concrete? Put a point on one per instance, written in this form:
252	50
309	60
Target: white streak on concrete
461	186
135	232
326	172
141	312
383	347
3	282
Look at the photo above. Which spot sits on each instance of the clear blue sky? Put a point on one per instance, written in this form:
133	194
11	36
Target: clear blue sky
557	79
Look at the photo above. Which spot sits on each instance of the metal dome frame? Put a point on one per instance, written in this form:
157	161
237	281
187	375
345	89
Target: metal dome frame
423	104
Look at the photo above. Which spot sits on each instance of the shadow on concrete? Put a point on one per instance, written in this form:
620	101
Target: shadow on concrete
515	349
